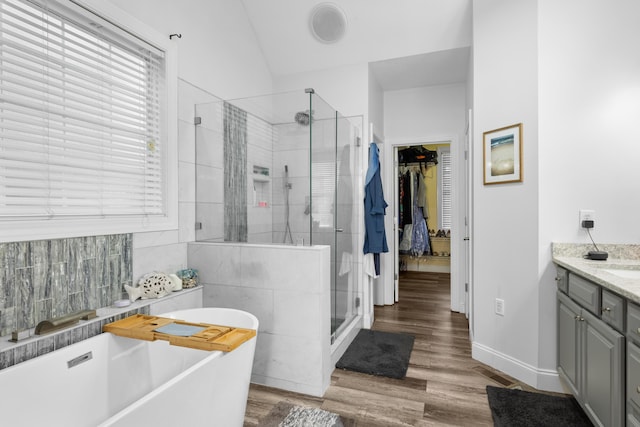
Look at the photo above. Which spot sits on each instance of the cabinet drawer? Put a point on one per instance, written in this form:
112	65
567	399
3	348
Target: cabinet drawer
585	293
633	322
633	373
613	309
562	279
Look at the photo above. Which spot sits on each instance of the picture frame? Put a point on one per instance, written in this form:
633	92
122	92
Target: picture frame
502	157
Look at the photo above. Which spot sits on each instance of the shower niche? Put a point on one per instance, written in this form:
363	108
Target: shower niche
261	187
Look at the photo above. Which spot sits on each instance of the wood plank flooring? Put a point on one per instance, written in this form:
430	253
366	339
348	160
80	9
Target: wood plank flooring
443	386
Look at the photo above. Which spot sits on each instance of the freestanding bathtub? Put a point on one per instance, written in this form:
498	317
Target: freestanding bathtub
114	381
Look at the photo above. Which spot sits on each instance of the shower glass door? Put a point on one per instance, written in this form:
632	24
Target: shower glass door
346	238
332	213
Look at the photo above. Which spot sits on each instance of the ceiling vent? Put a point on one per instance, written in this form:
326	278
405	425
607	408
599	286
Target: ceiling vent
328	23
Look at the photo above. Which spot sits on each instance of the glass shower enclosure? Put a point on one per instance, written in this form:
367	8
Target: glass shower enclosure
280	169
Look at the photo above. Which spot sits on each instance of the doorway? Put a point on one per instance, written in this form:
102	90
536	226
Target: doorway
450	250
423	209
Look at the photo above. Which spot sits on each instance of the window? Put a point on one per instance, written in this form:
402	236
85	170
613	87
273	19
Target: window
82	113
444	195
323	185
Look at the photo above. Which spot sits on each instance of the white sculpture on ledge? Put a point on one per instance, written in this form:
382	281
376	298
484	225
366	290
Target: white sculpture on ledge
154	285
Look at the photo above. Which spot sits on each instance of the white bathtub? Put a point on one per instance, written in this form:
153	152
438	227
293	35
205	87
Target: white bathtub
126	382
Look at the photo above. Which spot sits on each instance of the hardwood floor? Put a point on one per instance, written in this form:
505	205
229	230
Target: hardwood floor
443	386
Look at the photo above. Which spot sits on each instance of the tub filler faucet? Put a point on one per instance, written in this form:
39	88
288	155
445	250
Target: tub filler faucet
52	325
62	322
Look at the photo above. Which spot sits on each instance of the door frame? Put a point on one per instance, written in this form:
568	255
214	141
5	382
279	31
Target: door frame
459	203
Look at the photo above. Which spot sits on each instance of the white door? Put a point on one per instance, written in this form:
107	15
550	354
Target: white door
468	221
396	242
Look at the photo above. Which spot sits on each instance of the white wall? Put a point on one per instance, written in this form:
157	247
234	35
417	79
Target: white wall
589	95
589	110
433	111
218	49
375	107
506	229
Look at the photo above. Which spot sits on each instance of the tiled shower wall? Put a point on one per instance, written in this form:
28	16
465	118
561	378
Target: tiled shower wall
45	279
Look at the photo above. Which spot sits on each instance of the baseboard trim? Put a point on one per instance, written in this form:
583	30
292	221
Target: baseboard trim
541	379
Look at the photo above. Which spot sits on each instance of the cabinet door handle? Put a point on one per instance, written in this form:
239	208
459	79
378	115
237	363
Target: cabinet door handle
606	309
557	279
638	331
638	389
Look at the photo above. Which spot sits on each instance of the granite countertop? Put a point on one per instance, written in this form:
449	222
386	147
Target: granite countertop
610	274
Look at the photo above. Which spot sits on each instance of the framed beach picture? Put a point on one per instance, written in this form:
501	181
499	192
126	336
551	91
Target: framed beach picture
503	155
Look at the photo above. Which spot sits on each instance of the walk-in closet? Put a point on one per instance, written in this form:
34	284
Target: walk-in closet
423	200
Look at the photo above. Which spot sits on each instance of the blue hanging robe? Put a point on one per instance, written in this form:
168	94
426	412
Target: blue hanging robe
375	240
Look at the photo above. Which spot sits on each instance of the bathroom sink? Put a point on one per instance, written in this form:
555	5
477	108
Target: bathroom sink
623	272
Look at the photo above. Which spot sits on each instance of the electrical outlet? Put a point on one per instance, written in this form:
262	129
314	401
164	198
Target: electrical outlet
587	215
500	306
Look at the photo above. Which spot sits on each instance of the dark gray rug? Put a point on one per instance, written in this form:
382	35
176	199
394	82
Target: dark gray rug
285	414
378	353
511	408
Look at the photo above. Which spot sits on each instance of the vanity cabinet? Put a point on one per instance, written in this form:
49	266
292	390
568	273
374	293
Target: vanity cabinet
591	353
633	365
633	385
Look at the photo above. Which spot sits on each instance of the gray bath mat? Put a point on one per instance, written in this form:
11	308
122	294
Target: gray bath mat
511	407
285	414
378	353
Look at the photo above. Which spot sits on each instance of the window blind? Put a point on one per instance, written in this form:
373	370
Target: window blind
80	116
444	163
323	186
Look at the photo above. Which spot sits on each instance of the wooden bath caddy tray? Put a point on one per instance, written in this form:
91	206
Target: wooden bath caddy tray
206	336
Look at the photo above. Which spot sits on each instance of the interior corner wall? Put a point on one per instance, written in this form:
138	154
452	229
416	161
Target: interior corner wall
505	216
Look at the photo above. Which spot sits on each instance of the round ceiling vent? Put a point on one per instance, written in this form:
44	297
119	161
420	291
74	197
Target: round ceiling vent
328	23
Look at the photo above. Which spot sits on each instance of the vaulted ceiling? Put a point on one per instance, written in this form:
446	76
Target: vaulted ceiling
407	43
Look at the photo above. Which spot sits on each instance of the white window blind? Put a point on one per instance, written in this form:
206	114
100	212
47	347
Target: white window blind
323	185
80	116
444	165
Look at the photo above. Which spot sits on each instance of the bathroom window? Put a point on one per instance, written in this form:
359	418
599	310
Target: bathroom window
83	114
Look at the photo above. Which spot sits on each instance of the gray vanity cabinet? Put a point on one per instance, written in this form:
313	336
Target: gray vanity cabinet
633	365
569	334
633	385
591	354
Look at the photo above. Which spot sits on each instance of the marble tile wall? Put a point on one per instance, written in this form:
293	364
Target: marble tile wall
290	299
45	279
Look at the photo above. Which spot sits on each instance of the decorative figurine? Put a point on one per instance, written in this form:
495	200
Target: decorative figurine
154	285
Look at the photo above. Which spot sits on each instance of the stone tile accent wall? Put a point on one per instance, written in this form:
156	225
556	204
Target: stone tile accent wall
44	279
37	347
